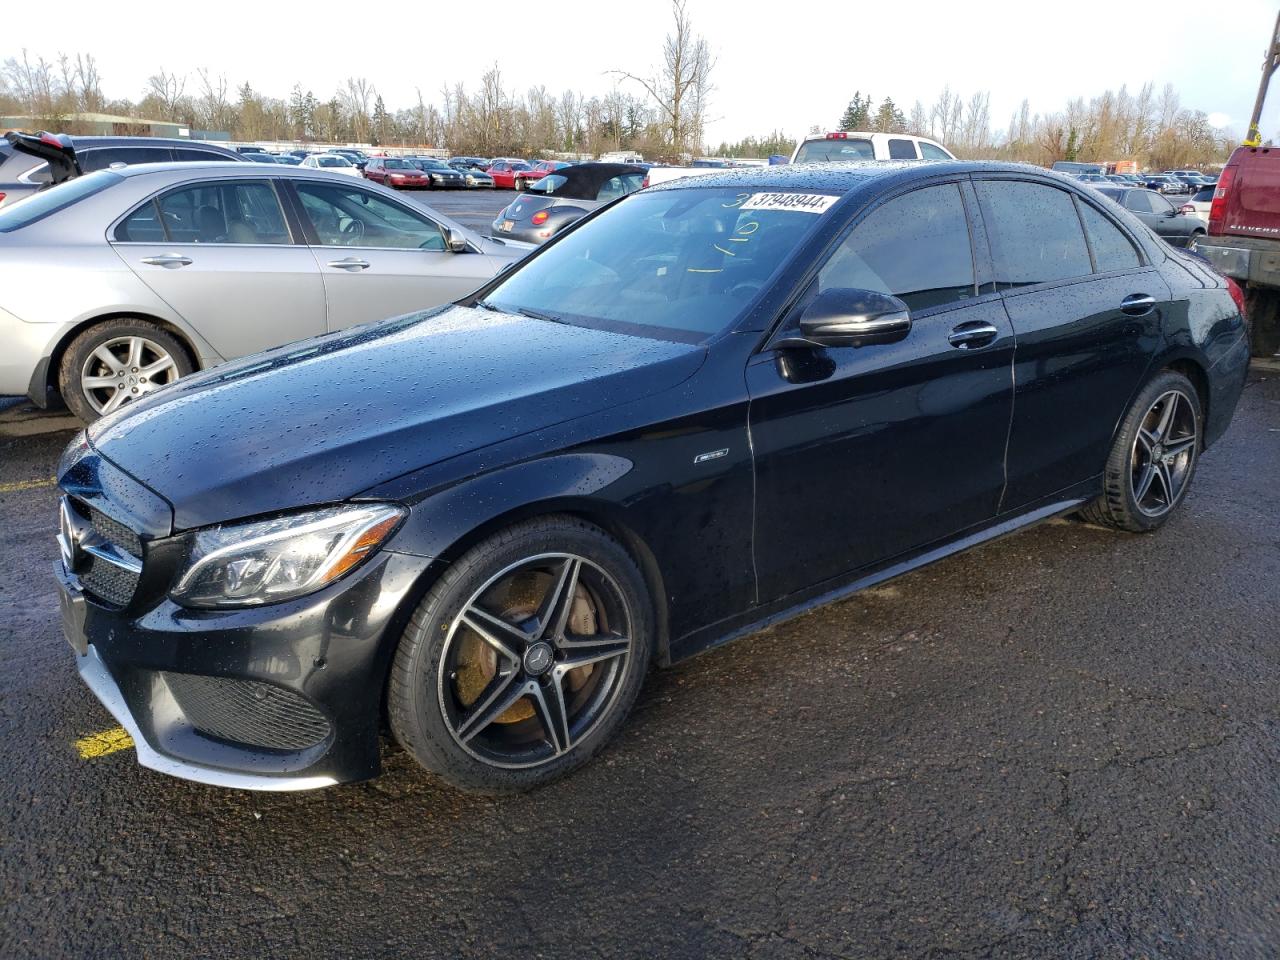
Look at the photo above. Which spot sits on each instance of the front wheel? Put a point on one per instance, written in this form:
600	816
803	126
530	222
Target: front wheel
1153	457
524	659
518	185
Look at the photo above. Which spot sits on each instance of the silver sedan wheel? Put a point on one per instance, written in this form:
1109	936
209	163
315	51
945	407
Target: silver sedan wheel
535	660
1164	452
124	369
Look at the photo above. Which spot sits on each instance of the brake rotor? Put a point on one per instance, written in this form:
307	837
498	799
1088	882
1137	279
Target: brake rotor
517	600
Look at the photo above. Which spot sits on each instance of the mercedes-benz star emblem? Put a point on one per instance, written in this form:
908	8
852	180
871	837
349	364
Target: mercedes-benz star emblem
537	659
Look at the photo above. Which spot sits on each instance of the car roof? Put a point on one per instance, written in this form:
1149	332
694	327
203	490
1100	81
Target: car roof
106	141
845	177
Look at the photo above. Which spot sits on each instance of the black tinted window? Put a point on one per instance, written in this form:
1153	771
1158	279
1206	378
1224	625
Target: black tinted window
915	247
195	154
1034	231
902	150
104	157
1111	248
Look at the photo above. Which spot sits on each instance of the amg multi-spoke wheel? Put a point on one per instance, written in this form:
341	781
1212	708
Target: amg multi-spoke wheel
1164	451
1153	457
117	362
524	658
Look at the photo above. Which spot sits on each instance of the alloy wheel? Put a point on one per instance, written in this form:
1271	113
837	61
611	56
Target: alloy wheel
1164	453
124	369
535	659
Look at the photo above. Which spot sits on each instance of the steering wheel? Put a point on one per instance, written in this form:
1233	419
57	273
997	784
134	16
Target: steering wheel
352	232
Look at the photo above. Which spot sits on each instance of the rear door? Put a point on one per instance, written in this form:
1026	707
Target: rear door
221	254
380	258
1086	313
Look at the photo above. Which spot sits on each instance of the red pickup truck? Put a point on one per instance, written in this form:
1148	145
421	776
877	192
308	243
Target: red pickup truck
1244	238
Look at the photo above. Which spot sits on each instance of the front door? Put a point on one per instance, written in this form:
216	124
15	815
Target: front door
865	453
380	258
221	254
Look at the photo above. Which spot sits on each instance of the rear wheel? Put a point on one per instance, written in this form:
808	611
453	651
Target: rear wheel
1262	311
524	659
117	362
1153	457
1193	242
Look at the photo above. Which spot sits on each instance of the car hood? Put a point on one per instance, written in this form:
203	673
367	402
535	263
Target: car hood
322	420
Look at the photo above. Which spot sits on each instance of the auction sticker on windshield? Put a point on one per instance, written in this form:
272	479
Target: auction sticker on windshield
802	202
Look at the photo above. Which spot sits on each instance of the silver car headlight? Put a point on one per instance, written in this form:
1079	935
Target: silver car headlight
267	561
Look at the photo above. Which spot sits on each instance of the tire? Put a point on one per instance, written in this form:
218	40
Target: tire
479	718
1193	241
518	185
1262	307
1140	472
85	363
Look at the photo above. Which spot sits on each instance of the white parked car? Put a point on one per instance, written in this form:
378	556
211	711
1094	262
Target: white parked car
119	282
842	145
332	162
1198	205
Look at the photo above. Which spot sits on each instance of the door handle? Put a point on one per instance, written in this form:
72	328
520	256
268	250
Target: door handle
971	335
351	264
171	260
1137	304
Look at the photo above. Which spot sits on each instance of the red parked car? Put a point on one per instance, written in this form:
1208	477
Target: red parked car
537	172
394	172
504	172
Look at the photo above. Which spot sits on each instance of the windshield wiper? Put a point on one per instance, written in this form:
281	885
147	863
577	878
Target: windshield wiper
539	315
485	304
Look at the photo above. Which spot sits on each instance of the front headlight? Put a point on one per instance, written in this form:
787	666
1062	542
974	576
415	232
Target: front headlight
273	560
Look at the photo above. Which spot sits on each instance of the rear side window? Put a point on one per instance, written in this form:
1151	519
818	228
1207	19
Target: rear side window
52	199
1111	248
209	213
930	152
902	150
195	155
1035	233
915	247
103	157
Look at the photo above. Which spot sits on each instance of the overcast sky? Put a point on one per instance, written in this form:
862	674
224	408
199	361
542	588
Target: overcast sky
781	66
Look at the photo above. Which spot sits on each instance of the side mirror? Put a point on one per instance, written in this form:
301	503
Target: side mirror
457	241
845	317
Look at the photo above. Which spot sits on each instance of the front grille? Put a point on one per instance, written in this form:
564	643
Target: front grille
248	712
100	577
114	532
107	581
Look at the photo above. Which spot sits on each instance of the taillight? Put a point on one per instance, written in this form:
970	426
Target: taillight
645	182
1187	208
539	218
838	136
1218	207
1237	294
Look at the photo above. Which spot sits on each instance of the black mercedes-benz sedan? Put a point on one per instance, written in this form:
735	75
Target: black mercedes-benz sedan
705	408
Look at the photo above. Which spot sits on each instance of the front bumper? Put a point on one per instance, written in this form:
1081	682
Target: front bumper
322	658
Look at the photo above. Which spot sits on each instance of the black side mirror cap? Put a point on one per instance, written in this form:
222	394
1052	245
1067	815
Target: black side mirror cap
850	317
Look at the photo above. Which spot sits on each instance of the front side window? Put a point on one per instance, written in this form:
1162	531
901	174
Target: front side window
1159	205
1139	201
681	264
902	150
1111	248
915	247
824	151
345	217
931	152
1034	231
209	213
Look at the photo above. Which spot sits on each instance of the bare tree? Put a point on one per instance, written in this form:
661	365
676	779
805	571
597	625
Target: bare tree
355	98
35	84
682	86
166	90
215	109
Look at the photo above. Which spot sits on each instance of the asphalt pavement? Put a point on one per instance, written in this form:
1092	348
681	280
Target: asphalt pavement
1063	744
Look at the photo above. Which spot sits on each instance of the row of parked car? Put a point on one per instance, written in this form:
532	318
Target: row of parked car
1171	181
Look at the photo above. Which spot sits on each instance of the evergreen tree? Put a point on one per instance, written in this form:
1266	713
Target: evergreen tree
857	116
381	122
889	119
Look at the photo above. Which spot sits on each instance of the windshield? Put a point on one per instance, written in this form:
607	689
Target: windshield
433	164
398	165
52	199
334	162
682	263
822	151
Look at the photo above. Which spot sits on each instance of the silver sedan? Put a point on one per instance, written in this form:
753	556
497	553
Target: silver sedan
119	282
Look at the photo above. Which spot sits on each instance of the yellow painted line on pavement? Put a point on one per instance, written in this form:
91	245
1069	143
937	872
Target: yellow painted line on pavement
26	485
102	743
